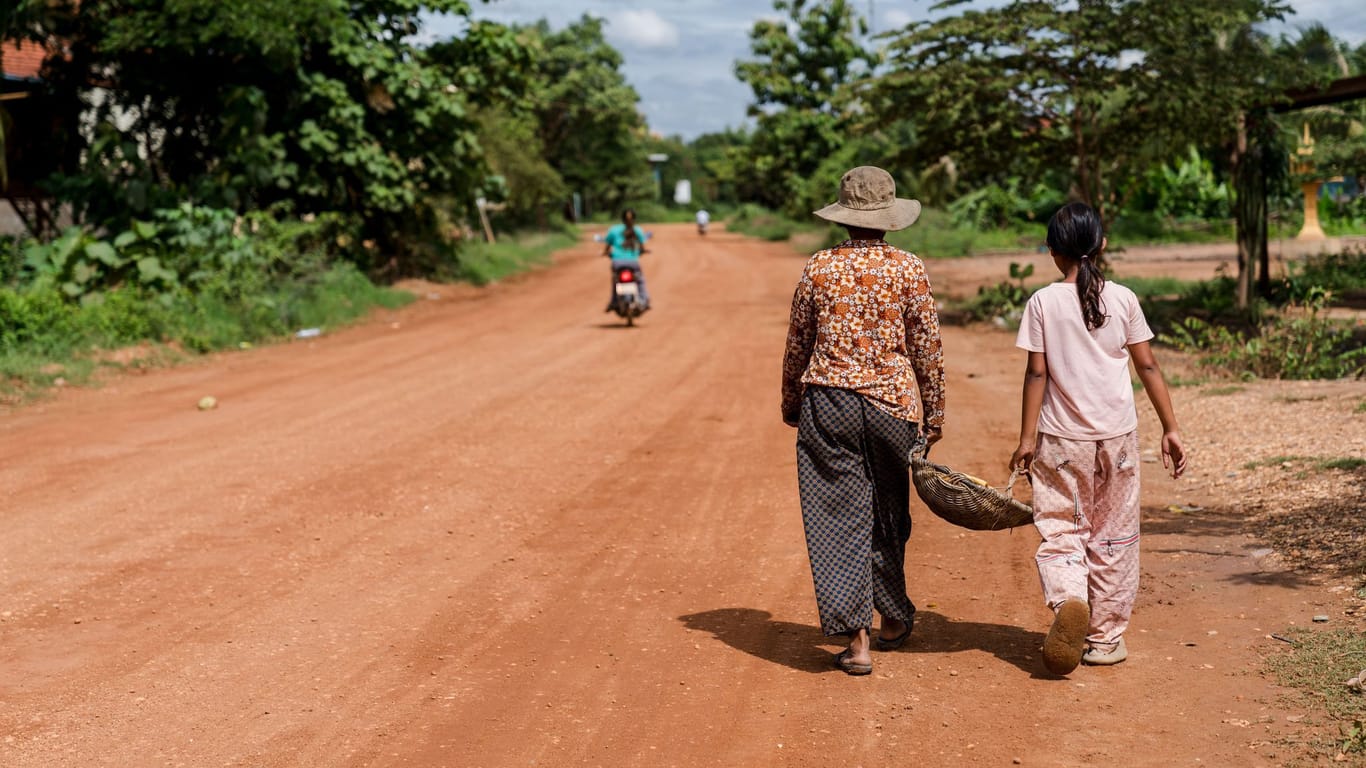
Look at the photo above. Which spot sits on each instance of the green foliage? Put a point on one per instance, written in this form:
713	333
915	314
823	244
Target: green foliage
325	104
1185	189
801	77
589	126
938	235
1004	301
1316	664
998	206
41	329
11	259
482	263
1322	274
188	249
756	221
1102	88
1299	346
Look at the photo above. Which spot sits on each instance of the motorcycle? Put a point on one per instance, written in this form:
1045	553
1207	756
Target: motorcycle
626	299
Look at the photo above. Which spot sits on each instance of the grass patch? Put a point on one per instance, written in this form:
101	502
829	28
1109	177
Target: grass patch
1276	461
1346	463
1182	381
482	263
46	340
1317	665
756	221
1152	287
1219	391
937	235
1299	399
1361	407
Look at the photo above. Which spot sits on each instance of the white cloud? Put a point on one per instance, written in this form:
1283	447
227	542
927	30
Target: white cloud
642	29
680	54
893	19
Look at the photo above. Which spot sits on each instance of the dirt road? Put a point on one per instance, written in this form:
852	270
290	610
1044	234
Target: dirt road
498	529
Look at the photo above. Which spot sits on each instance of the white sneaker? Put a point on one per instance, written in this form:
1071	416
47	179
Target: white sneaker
1095	658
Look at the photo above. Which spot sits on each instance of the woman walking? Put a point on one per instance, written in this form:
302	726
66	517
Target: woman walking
863	382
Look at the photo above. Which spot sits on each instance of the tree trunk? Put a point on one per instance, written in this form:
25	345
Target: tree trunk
1249	208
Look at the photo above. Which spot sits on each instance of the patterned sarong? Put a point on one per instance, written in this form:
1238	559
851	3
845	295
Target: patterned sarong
852	460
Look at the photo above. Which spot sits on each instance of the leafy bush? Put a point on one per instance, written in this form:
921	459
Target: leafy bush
936	235
1285	346
997	206
756	221
482	263
11	259
1331	273
1005	300
1184	190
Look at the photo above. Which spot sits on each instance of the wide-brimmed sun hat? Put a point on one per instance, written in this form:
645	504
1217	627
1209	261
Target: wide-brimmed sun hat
868	200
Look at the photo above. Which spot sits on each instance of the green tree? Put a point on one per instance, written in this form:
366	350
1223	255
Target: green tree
590	128
321	105
1105	88
801	75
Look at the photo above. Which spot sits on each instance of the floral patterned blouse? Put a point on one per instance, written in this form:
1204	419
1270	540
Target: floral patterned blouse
864	319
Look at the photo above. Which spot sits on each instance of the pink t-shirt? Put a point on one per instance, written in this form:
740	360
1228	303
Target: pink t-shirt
1089	395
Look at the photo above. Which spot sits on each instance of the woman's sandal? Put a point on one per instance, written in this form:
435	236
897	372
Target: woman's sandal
892	643
845	661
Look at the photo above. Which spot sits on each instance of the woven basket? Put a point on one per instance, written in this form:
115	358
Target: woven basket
966	501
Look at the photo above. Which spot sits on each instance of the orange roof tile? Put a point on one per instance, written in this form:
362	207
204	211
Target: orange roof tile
22	61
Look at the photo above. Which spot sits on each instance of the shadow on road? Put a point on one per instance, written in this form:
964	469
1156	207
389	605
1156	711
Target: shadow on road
1017	646
804	648
1196	522
799	646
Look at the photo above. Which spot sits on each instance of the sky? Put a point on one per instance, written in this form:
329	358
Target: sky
680	54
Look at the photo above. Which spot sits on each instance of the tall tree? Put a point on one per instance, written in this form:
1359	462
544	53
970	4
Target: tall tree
1105	88
801	74
590	126
322	104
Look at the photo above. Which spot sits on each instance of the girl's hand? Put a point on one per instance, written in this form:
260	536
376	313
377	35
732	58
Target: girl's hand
1022	458
1173	453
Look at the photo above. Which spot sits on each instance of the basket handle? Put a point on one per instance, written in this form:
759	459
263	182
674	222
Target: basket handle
1010	484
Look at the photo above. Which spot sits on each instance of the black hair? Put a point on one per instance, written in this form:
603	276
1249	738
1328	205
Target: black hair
1075	233
628	218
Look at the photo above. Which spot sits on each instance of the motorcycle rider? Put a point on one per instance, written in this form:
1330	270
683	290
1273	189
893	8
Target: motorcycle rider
624	243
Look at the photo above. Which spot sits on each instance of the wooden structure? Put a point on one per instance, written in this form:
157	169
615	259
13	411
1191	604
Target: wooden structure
1250	164
21	109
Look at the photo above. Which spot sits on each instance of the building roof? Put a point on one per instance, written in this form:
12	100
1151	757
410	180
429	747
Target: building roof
22	61
1336	92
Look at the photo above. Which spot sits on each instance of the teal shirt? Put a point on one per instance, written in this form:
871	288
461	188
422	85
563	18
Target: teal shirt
615	238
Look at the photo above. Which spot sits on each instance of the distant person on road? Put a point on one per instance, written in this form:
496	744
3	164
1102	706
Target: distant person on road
863	383
703	219
1079	443
624	244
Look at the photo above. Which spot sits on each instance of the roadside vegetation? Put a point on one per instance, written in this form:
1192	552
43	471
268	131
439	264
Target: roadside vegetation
1317	665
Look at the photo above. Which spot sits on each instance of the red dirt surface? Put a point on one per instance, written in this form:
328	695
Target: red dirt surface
500	529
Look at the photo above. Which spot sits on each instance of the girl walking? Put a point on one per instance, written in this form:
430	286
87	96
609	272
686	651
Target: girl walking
863	382
1079	443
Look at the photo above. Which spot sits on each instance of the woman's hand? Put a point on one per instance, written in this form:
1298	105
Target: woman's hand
933	436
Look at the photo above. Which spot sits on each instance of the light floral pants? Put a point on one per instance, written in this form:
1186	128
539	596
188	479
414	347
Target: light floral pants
1086	509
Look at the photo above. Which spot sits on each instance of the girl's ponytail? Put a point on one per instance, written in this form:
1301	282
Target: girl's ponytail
1075	233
